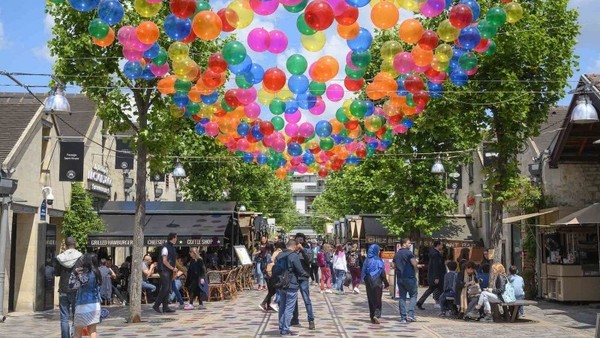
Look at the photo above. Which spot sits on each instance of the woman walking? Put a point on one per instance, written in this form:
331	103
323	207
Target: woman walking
373	274
354	264
271	290
87	280
324	260
340	267
196	281
261	261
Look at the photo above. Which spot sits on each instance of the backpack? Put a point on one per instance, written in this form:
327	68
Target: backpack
508	296
281	273
353	260
321	259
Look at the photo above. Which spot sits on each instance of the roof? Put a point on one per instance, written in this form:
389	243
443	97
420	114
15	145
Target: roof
16	111
82	114
595	78
588	215
170	208
550	129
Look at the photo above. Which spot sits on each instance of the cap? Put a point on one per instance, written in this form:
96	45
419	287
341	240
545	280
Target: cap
314	241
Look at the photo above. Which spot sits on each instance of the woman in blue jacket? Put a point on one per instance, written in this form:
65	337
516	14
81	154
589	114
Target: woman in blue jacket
87	280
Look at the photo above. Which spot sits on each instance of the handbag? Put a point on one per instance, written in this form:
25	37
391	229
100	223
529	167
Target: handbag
473	290
508	296
347	279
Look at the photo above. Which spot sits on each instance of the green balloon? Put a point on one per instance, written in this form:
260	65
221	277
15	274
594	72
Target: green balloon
369	133
234	52
317	88
183	86
193	108
161	58
491	50
361	60
358	108
226	107
468	61
303	26
388	135
241	82
487	29
297	8
354	74
57	1
343	133
296	64
326	143
496	16
278	122
340	115
409	100
98	28
277	106
202	5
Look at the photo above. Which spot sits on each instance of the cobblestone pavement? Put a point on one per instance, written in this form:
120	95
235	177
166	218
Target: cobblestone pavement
336	316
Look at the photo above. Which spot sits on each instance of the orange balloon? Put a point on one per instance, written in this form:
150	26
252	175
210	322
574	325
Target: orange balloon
147	32
385	15
411	31
107	40
281	172
325	69
422	57
336	126
207	25
194	95
375	91
166	85
348	32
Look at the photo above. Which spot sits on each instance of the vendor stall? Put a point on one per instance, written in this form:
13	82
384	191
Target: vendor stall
570	265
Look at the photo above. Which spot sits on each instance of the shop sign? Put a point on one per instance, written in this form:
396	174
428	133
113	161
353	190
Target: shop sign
43	210
111	242
71	161
98	179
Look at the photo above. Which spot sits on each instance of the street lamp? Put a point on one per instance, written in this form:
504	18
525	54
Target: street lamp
57	102
438	167
178	173
584	112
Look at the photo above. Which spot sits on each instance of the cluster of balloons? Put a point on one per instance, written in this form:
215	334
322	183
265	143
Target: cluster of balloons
414	69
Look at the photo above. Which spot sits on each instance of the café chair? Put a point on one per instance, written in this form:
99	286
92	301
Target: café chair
239	278
216	287
144	297
230	287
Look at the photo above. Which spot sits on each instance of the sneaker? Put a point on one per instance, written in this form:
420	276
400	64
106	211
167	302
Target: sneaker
321	291
488	318
437	306
188	307
412	319
375	320
289	334
274	307
168	310
403	321
263	307
328	291
311	325
157	309
356	291
420	306
295	324
201	307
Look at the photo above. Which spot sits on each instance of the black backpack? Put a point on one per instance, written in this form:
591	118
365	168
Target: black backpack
281	273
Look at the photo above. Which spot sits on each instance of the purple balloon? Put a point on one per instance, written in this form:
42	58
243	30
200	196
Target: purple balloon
433	8
319	107
291	129
159	70
293	117
279	41
334	92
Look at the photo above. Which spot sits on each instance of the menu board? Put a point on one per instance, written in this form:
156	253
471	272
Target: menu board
242	254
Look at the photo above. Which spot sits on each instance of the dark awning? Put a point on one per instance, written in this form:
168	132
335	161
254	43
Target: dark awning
459	229
374	227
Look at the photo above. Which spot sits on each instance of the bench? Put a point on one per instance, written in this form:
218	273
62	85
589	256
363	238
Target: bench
511	310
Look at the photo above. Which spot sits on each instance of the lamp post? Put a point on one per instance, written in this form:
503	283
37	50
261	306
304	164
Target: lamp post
178	173
7	188
584	112
438	167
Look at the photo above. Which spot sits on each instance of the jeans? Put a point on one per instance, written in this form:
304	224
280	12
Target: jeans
325	277
305	292
449	293
339	279
66	304
148	286
333	276
260	278
431	289
407	285
484	299
287	299
176	294
165	288
314	272
521	308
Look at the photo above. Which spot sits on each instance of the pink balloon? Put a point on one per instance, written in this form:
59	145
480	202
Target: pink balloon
421	69
323	156
334	92
302	168
319	107
278	145
279	41
264	7
132	55
125	34
159	70
306	130
472	71
290	2
246	96
349	61
352	147
404	63
379	111
439	79
154	1
293	117
259	39
296	160
252	110
212	129
433	8
291	129
242	144
338	6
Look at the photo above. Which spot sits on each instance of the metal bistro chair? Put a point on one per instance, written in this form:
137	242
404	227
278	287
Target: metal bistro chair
216	287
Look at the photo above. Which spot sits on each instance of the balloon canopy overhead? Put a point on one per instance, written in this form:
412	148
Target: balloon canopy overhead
270	114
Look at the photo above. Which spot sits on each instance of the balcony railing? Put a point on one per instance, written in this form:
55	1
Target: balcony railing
309	189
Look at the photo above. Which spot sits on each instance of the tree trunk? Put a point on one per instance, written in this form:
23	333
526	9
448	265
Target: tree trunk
497	227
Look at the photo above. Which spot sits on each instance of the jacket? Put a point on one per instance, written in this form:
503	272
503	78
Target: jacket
450	281
460	281
436	268
89	291
339	262
499	285
305	259
295	268
171	257
63	267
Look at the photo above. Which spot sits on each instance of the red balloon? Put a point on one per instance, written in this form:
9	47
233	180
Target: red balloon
190	38
183	8
231	98
429	40
421	98
228	17
352	124
318	15
323	172
395	119
266	127
274	79
211	79
414	83
315	149
431	73
460	16
353	85
348	16
217	63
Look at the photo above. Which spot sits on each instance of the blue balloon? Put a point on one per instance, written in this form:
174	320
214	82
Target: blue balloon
204	121
308	158
281	162
370	107
337	139
84	5
323	128
449	3
291	106
255	74
306	100
294	149
210	98
147	74
401	89
298	84
181	99
386	143
176	28
199	128
373	144
408	123
242	67
362	42
262	158
243	128
248	157
358	3
352	160
459	77
153	51
133	70
111	12
435	90
474	6
255	132
469	37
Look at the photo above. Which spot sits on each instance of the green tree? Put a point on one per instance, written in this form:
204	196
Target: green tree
80	218
123	105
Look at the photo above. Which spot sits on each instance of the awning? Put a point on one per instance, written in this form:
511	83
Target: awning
459	229
588	215
519	218
374	227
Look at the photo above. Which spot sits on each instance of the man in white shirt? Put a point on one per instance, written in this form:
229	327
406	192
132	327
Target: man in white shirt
148	269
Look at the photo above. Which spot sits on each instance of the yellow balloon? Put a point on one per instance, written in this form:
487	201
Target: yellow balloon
285	93
176	112
313	43
178	51
439	65
443	53
146	9
375	2
447	32
182	68
411	5
265	97
388	67
244	11
514	12
389	49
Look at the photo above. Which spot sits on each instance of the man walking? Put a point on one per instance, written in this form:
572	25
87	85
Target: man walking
435	275
66	296
305	255
406	280
166	270
288	297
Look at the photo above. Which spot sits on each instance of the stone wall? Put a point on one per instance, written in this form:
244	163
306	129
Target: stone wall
572	185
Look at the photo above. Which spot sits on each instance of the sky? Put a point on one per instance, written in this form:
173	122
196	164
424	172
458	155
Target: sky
24	31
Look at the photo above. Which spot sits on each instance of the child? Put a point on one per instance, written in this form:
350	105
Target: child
484	275
449	281
518	284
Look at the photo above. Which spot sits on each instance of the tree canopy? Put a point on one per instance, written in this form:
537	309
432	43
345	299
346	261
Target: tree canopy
80	218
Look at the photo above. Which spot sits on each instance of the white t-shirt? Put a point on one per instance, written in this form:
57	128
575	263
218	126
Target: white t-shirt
164	251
